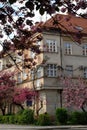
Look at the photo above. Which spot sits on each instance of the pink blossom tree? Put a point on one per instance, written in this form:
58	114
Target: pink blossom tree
23	94
10	94
7	84
75	93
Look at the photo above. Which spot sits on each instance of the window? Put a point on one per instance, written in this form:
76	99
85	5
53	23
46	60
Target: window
69	70
51	45
39	72
32	54
24	75
52	70
18	58
68	48
29	102
84	50
38	83
0	65
32	74
19	78
85	72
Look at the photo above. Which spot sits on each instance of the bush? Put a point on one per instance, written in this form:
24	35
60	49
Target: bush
12	119
44	120
78	118
61	115
1	118
5	119
20	112
26	117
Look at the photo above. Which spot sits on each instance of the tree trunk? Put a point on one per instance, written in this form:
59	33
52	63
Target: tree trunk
83	109
17	104
3	111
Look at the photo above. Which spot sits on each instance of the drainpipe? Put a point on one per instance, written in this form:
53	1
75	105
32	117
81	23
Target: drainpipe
60	49
61	102
61	66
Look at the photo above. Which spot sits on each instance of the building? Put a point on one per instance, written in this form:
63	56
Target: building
61	55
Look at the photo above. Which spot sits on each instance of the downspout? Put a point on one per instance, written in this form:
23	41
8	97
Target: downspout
61	67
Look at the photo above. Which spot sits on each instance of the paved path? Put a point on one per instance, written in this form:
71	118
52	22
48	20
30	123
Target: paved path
26	127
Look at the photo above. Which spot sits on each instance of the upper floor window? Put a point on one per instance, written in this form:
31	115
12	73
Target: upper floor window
51	45
18	58
32	74
69	70
19	78
39	72
84	50
32	54
68	48
0	65
24	75
52	70
38	83
85	72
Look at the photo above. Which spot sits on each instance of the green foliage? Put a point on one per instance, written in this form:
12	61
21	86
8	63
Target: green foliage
20	112
5	119
44	120
78	118
1	118
25	117
12	119
22	117
61	115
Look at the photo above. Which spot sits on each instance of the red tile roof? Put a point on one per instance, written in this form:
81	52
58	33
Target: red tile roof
67	23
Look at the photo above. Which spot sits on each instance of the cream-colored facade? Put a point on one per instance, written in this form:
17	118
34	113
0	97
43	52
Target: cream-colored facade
69	58
60	57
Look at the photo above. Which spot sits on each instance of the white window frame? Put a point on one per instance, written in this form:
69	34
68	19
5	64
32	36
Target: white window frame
19	78
38	83
32	54
69	70
32	74
68	48
84	50
39	72
18	58
51	45
24	75
0	65
52	70
85	72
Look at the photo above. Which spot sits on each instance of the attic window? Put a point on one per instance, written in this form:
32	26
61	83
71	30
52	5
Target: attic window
79	28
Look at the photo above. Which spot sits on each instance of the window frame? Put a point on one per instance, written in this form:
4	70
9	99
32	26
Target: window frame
39	72
19	77
68	48
85	73
52	70
68	70
84	50
51	45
